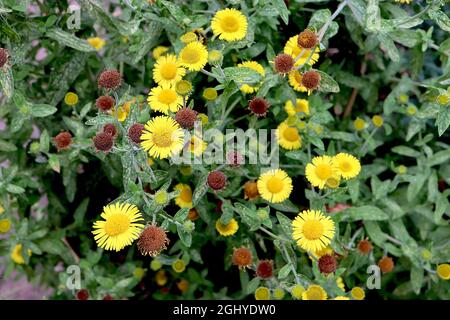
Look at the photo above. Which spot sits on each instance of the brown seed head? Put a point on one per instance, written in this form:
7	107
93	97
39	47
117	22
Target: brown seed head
283	63
327	264
258	106
242	257
135	132
217	180
264	269
186	117
152	241
103	142
307	39
251	190
105	103
365	246
110	129
63	140
109	80
386	264
311	79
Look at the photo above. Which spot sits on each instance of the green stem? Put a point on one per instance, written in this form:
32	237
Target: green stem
425	10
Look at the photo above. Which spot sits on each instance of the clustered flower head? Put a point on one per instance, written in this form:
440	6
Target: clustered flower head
216	180
284	63
264	269
110	129
109	80
259	106
152	241
307	39
242	257
105	103
103	141
186	118
327	264
386	264
365	246
63	140
135	132
311	79
3	57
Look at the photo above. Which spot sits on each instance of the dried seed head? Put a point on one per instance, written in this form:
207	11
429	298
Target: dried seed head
365	246
386	264
82	294
235	159
105	103
186	117
258	106
217	180
109	80
242	257
152	241
327	264
63	140
135	132
311	79
264	269
307	39
103	142
110	129
3	57
283	63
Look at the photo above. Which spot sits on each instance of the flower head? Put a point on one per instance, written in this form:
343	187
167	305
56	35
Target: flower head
297	291
295	81
315	292
109	80
311	79
162	137
210	94
320	170
327	264
377	121
167	70
348	166
105	103
178	266
193	56
227	230
262	293
264	269
307	39
63	140
312	230
135	132
152	241
96	42
71	98
82	294
288	137
164	98
386	264
259	106
186	118
103	141
359	124
283	63
184	199
358	293
291	48
365	246
3	57
110	129
443	271
159	51
216	180
242	257
119	228
16	254
251	190
229	25
5	225
256	67
301	106
183	87
274	185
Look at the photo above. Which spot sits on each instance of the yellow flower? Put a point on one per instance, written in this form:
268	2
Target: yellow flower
183	285
262	293
319	253
278	293
161	197
443	99
16	254
161	278
214	57
229	25
348	165
294	50
320	170
167	70
183	87
189	37
178	266
401	169
301	105
274	185
411	109
358	293
193	56
443	271
403	99
159	51
314	292
341	298
426	254
227	229
164	99
256	67
404	1
340	283
2	210
138	273
312	230
288	137
120	227
295	81
197	146
5	225
162	137
71	98
377	121
359	124
96	42
184	199
155	265
297	291
203	118
210	94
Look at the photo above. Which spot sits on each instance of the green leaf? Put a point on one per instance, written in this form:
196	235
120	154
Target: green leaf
200	189
285	206
442	20
42	110
7	82
44	141
284	271
280	6
252	285
366	213
416	183
388	44
181	215
285	224
443	120
327	83
6	146
80	212
248	216
53	161
69	40
12	188
416	278
406	151
439	157
242	75
372	17
185	237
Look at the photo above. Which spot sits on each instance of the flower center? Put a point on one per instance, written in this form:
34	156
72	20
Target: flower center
186	195
161	197
190	55
275	185
314	294
300	107
162	138
167	96
229	24
345	166
117	224
332	183
312	229
169	71
290	134
323	171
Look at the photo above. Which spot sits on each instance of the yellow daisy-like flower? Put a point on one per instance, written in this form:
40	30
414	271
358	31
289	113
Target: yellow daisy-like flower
214	57
315	292
229	25
203	118
184	199
312	230
377	121
301	105
359	124
210	94
119	228
193	56
5	225
71	98
256	67
197	146
297	291
227	229
341	298
349	167
295	81
97	42
340	283
159	51
358	293
443	271
288	137
274	185
162	137
319	253
178	266
164	98
404	1
294	50
320	170
189	37
262	293
167	70
16	254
